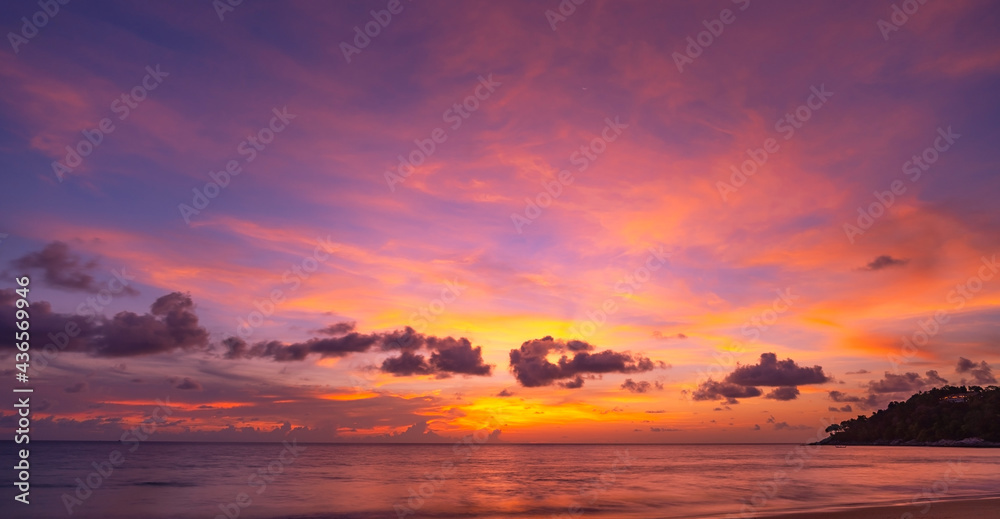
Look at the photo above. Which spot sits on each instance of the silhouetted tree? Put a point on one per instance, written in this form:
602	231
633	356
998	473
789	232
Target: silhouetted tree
928	416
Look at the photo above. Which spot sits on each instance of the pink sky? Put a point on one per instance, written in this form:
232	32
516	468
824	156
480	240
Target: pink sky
580	188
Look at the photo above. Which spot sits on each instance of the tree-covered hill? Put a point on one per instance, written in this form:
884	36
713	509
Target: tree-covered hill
940	415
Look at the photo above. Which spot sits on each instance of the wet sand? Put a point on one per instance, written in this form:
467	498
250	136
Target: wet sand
965	509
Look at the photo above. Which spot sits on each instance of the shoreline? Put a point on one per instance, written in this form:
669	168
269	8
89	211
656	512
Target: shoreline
971	508
967	442
994	446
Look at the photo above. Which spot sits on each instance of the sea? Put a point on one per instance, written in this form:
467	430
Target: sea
111	480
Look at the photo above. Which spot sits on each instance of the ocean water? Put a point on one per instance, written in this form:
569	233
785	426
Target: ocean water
210	480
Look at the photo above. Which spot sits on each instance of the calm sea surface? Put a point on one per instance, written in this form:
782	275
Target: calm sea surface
202	480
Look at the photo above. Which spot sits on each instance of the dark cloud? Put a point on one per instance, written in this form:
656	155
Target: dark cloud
76	388
44	324
845	409
906	383
712	390
170	325
858	372
338	329
406	339
659	335
505	393
880	392
784	426
783	393
419	432
981	373
60	267
188	383
772	372
934	379
662	429
869	401
448	356
457	356
531	368
451	357
574	345
324	347
236	348
783	375
838	396
885	261
640	387
606	361
407	364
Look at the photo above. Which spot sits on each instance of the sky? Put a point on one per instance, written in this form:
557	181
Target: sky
663	222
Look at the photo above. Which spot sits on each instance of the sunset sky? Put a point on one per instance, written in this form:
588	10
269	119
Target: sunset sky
551	201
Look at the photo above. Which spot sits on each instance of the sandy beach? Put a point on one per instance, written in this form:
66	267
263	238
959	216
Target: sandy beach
964	509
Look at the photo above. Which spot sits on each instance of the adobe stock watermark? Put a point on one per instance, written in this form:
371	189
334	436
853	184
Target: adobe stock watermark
258	480
250	146
463	451
599	485
361	378
899	17
292	279
566	9
914	169
31	27
751	330
786	126
937	490
122	106
89	309
582	159
931	326
624	288
455	115
380	20
430	312
795	460
131	438
225	6
704	39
